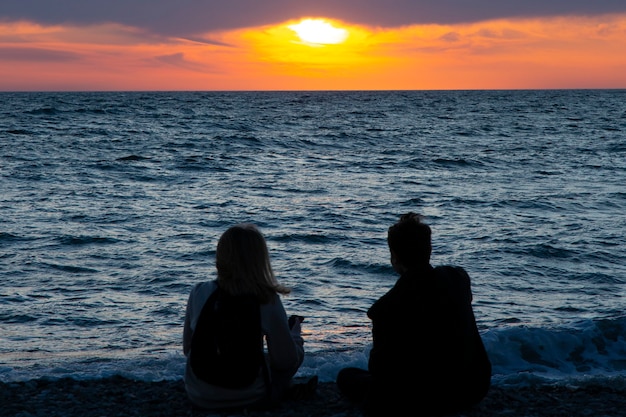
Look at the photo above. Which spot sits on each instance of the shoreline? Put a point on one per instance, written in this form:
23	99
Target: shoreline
120	397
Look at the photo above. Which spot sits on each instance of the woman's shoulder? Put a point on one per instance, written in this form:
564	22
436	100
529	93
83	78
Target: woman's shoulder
212	284
274	308
273	303
203	289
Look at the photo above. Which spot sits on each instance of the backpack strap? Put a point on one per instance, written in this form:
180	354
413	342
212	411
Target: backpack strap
202	340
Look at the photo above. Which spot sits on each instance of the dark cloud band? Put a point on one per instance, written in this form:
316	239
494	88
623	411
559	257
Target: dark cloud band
188	17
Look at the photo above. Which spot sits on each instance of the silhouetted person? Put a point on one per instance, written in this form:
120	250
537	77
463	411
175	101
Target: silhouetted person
427	355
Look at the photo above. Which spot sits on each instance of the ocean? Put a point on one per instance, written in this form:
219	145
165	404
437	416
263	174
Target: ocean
111	204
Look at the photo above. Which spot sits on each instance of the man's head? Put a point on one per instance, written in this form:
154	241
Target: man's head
409	241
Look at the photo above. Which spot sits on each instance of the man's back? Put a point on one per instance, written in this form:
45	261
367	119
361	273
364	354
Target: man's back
425	327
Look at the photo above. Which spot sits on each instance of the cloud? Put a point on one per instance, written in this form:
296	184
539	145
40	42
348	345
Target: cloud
36	55
193	17
178	60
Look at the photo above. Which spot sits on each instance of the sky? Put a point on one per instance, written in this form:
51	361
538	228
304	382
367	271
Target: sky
202	45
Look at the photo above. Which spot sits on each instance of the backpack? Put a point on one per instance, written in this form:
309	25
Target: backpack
227	344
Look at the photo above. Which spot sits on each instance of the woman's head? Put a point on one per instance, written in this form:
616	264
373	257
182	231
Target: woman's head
409	241
243	263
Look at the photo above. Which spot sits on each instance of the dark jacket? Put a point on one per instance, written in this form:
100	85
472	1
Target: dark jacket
426	346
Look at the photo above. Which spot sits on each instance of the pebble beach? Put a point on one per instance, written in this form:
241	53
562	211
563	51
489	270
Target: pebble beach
121	397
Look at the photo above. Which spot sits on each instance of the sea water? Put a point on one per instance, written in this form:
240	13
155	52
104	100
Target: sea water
111	205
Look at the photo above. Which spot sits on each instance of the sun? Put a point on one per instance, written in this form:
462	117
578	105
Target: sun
319	32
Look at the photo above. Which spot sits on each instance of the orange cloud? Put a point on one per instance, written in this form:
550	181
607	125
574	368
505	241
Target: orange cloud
503	54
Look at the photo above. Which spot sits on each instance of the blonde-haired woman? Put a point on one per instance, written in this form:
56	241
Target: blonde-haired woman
245	277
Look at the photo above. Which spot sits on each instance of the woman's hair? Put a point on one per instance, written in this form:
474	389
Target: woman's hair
243	264
410	240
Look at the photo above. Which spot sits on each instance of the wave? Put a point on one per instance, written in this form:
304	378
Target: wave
85	240
587	348
590	349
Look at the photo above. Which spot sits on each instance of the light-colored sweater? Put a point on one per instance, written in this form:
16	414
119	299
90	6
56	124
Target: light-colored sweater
284	352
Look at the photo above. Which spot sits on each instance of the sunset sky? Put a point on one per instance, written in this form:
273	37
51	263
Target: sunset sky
74	45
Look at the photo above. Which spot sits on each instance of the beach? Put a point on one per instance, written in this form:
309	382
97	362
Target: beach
118	397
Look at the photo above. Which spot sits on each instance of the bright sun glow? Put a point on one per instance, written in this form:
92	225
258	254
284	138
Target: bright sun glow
319	32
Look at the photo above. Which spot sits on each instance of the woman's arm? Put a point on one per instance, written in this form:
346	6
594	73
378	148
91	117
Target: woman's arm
285	346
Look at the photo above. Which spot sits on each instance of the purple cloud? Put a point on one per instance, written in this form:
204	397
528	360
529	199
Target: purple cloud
189	17
36	55
178	60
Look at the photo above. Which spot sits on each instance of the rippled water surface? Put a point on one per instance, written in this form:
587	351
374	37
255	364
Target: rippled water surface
111	205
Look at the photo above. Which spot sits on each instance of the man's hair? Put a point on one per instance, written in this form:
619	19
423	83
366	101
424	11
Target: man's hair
243	264
410	240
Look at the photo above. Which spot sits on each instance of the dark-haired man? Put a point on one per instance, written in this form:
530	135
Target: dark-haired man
427	355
